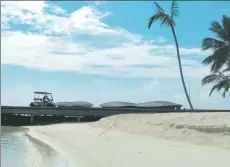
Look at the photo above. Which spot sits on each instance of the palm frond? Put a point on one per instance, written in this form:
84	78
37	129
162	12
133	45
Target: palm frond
223	85
211	78
211	43
224	94
227	69
226	25
209	60
213	88
219	31
226	88
174	10
217	87
222	74
160	16
158	7
220	85
218	59
222	57
164	18
220	80
151	19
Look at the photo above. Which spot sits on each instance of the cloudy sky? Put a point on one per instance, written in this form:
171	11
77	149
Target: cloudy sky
103	51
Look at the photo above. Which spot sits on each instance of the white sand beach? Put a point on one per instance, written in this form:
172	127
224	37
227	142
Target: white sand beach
143	140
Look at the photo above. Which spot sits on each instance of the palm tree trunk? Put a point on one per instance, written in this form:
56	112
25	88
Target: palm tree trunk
180	67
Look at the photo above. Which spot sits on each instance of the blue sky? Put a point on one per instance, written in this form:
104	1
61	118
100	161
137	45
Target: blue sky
103	51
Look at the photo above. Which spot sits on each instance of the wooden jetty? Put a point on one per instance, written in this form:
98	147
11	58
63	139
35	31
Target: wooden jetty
94	111
78	112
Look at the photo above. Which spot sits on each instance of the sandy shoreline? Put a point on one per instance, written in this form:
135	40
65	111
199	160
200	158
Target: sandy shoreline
164	140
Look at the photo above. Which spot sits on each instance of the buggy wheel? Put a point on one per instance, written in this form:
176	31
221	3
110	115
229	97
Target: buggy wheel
31	104
50	105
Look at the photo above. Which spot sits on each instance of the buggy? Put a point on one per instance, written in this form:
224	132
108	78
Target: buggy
42	99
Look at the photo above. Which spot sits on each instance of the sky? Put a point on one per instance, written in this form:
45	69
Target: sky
100	51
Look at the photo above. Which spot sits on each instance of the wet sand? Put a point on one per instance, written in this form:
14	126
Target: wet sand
13	129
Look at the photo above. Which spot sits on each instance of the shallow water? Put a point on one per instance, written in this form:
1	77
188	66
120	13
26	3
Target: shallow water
13	150
17	150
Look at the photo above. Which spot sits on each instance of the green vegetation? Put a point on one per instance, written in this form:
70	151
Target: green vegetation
221	82
219	60
168	20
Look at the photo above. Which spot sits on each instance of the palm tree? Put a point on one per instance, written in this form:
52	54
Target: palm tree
220	81
220	46
168	20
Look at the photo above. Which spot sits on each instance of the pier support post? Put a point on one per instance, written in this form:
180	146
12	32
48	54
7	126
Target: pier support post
31	119
78	119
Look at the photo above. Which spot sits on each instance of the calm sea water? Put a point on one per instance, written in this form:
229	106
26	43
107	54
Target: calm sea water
17	150
13	150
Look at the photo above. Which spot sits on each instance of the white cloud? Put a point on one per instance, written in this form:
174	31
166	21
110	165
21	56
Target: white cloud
16	7
86	20
106	50
57	10
82	42
129	60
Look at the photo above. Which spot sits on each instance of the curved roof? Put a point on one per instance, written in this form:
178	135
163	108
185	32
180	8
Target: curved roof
157	104
74	104
117	104
36	92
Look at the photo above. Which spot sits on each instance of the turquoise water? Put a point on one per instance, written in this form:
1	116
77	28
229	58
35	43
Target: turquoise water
13	150
17	150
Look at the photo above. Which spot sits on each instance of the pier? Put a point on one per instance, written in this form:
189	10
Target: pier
93	111
77	114
79	111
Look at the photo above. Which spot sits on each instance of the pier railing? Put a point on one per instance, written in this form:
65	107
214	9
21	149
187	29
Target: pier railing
94	111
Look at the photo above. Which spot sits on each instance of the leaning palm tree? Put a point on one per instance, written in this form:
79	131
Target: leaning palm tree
220	46
221	82
168	20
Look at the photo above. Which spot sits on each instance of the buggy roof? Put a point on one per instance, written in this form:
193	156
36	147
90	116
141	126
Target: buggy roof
42	93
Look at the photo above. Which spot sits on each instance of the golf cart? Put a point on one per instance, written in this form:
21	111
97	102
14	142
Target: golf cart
42	99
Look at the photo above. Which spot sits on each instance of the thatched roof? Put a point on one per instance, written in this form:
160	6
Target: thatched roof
157	104
74	104
117	104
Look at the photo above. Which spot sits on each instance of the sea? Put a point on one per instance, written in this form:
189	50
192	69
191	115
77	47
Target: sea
20	150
